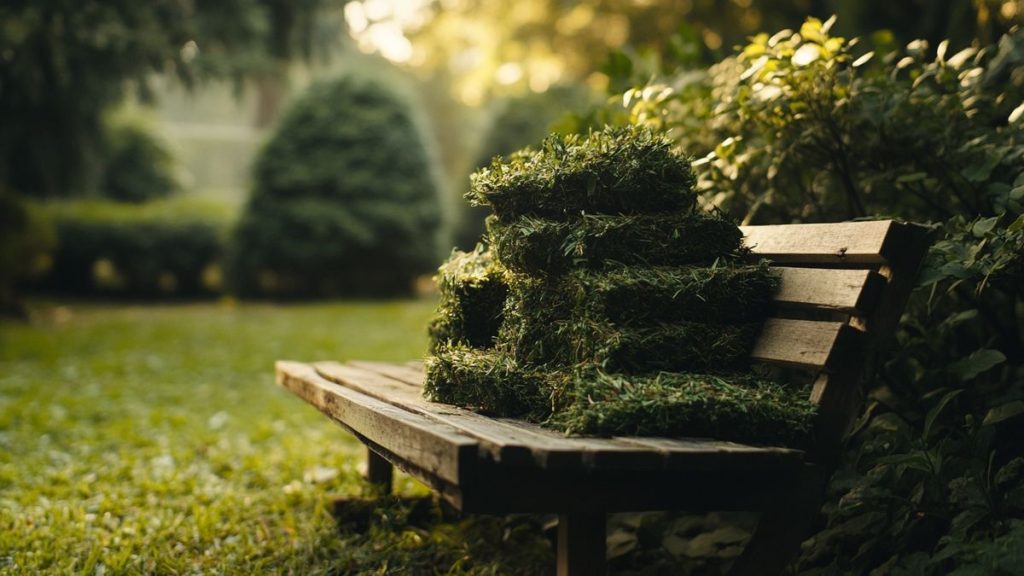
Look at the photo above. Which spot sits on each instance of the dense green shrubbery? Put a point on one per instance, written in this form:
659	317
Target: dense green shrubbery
345	201
26	243
137	166
809	127
127	250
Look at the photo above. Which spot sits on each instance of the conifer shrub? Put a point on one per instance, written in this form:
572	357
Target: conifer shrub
137	166
344	201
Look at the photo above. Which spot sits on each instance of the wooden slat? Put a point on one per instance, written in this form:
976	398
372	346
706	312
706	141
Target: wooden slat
706	453
841	243
436	448
803	343
623	451
851	291
407	374
551	448
504	442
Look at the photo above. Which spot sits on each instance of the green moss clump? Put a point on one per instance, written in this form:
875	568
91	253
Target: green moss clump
488	381
538	246
621	170
740	408
473	290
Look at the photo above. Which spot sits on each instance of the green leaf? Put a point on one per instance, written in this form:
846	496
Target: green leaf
1017	225
1003	412
937	410
979	361
811	30
1016	114
806	54
984	226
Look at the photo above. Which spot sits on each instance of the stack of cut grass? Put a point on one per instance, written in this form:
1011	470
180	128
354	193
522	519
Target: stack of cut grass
603	302
470	310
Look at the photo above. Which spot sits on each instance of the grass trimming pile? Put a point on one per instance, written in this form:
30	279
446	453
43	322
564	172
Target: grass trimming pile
625	309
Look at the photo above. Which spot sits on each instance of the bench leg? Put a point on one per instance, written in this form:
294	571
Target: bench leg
581	544
781	529
379	472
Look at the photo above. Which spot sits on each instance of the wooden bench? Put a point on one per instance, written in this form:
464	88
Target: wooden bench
843	290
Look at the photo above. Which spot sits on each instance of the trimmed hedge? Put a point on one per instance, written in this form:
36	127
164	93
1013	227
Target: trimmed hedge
119	250
344	201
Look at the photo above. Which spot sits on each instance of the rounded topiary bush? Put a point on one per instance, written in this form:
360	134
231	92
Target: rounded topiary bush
345	202
138	166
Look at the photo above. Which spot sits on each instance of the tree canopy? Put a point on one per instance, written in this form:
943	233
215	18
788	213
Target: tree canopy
66	61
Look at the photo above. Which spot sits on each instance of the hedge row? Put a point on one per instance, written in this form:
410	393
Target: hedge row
108	249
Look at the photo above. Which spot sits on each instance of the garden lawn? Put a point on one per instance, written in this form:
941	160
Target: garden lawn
146	439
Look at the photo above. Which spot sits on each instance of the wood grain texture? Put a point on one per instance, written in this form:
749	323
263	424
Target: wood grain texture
550	448
841	243
437	448
852	291
803	343
500	440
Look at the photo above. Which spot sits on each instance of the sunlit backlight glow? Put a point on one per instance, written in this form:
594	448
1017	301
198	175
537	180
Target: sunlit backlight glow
379	26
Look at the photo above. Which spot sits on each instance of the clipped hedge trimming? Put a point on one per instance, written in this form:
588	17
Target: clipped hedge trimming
738	407
622	170
473	290
541	246
488	381
345	201
117	250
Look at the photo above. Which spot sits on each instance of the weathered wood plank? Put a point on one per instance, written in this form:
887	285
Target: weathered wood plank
551	448
503	441
436	448
852	291
839	243
803	343
706	453
409	374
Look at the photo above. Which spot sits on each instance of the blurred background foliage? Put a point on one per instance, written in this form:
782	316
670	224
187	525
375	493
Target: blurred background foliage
345	199
131	129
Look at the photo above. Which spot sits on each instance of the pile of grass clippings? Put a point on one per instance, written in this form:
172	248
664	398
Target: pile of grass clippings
739	407
488	381
539	246
638	296
621	170
544	338
624	310
473	290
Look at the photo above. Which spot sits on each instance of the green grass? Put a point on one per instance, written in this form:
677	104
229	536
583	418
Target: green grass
153	439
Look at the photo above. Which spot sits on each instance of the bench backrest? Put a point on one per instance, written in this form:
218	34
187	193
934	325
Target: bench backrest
844	287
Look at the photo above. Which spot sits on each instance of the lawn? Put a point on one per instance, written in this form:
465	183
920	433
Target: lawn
153	439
